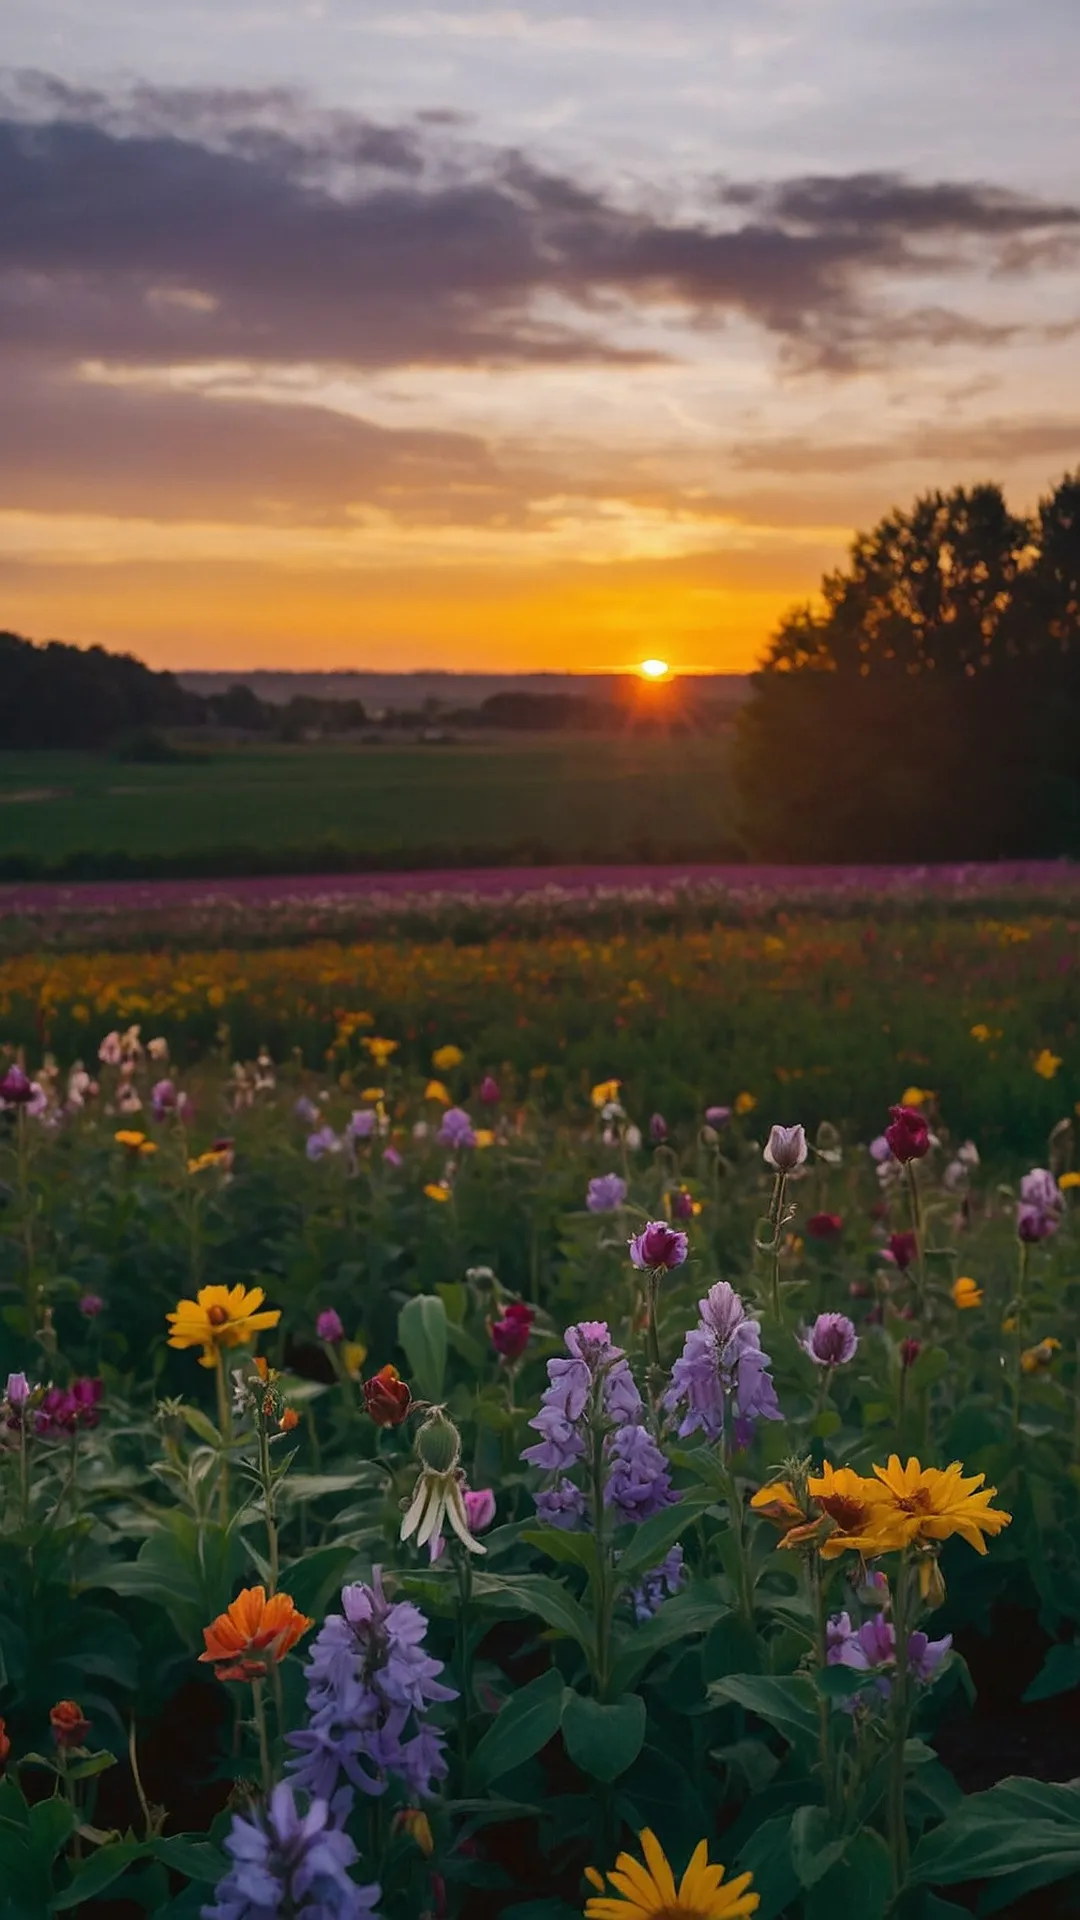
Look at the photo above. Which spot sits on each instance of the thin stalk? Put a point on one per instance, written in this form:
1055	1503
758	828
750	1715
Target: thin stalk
817	1596
776	1214
258	1714
462	1659
267	1484
915	1210
603	1584
898	1835
225	1430
1018	1342
133	1758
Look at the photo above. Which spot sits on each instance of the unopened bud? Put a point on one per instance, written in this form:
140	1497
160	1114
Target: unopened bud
931	1582
438	1442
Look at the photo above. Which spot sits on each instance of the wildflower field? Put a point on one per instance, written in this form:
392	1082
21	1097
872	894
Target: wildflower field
579	1422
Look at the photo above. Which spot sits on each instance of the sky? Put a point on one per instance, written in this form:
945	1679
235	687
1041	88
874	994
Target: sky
361	334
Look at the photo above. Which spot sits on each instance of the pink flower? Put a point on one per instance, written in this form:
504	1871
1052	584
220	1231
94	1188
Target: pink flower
908	1135
328	1326
510	1335
658	1247
490	1090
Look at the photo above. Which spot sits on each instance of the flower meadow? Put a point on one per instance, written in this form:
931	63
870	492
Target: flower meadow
434	1487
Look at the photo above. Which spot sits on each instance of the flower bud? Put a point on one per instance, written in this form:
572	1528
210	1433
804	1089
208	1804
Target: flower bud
328	1326
910	1350
387	1397
438	1442
414	1822
908	1134
931	1581
785	1149
69	1726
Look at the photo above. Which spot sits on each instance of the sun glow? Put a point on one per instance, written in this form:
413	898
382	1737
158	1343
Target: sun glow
653	669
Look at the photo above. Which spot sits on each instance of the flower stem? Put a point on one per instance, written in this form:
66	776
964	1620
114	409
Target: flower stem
267	1484
603	1584
915	1211
898	1835
225	1430
1018	1344
776	1215
258	1713
463	1661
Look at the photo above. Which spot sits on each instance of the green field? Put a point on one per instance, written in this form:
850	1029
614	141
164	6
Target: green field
291	808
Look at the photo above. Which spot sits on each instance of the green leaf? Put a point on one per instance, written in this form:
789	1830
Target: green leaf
1060	1672
526	1723
860	1883
86	1769
571	1549
1015	1827
99	1872
678	1618
313	1486
814	1848
201	1425
767	1855
311	1580
52	1823
534	1593
786	1701
840	1682
654	1539
187	1853
422	1335
603	1740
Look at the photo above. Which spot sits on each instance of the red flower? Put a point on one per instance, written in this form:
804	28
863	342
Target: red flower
510	1335
5	1744
901	1249
825	1226
69	1726
909	1134
387	1397
909	1352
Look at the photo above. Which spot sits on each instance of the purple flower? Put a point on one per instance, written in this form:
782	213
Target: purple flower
832	1340
658	1248
1039	1189
392	1157
162	1098
369	1684
16	1088
306	1110
682	1205
490	1090
457	1129
657	1586
926	1656
1033	1224
717	1117
785	1149
288	1861
880	1150
328	1326
18	1390
561	1504
595	1367
66	1409
363	1123
658	1129
91	1305
722	1368
638	1482
322	1142
606	1193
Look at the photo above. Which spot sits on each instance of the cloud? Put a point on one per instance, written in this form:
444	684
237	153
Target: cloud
199	225
992	444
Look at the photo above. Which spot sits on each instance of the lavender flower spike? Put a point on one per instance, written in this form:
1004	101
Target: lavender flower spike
285	1861
606	1193
832	1340
722	1369
369	1684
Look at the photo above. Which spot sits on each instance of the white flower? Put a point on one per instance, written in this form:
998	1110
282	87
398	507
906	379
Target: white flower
421	1130
158	1049
968	1154
438	1497
785	1149
632	1136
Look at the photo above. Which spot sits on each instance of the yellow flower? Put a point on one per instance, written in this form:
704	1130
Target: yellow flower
931	1504
437	1190
213	1157
980	1032
646	1891
1036	1359
220	1317
1046	1064
353	1355
745	1103
414	1822
604	1091
966	1292
371	1093
134	1141
436	1091
859	1510
777	1503
380	1050
484	1137
445	1058
1069	1180
915	1096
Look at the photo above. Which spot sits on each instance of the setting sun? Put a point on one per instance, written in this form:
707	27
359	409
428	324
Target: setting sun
653	669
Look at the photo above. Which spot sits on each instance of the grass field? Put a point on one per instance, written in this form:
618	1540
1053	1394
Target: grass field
290	809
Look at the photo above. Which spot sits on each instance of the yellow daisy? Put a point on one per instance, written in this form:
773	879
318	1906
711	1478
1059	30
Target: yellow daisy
932	1504
745	1103
379	1049
444	1058
220	1317
966	1292
647	1891
1046	1064
604	1092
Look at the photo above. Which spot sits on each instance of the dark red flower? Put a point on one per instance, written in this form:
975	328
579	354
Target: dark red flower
901	1249
909	1352
909	1133
490	1090
682	1205
387	1397
510	1335
825	1226
5	1745
68	1723
16	1088
66	1409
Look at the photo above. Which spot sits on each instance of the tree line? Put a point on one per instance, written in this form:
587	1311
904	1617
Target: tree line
927	707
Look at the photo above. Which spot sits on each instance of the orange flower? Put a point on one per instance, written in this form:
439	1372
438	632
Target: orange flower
777	1503
69	1724
251	1633
289	1421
